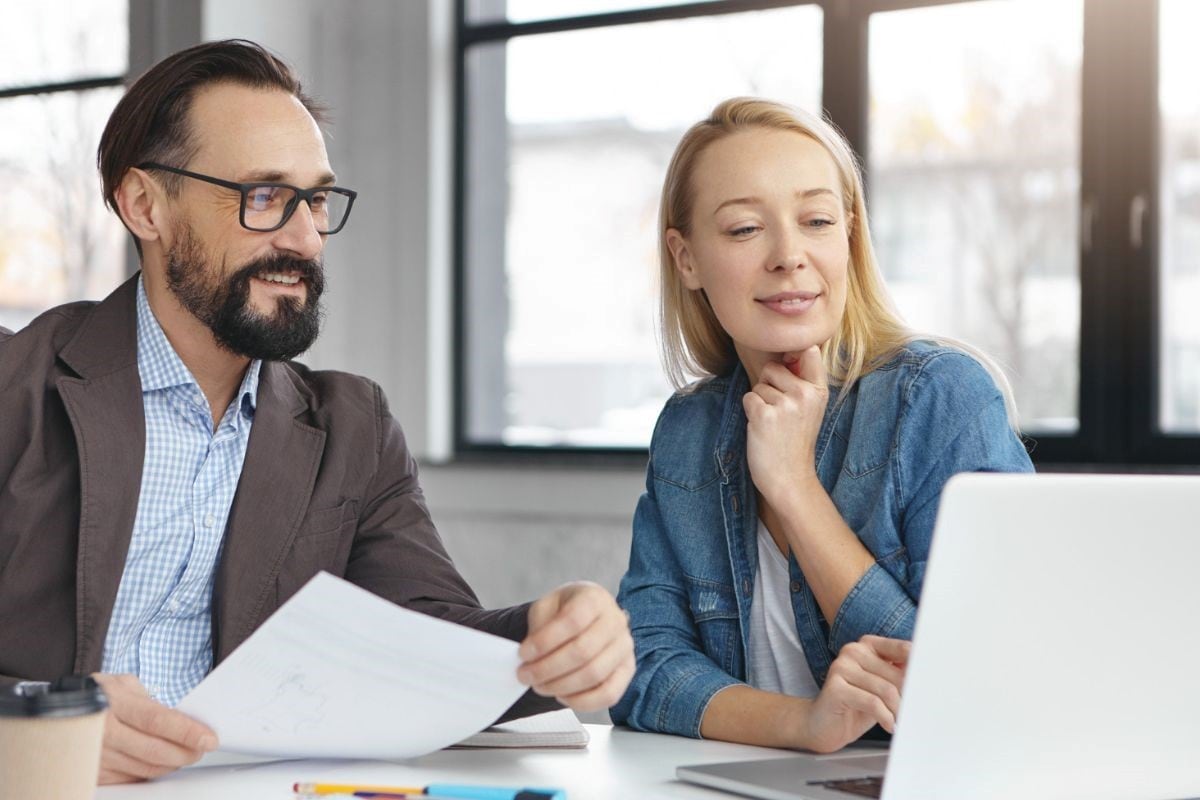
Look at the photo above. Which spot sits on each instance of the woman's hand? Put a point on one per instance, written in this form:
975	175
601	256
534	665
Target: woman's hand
862	689
784	411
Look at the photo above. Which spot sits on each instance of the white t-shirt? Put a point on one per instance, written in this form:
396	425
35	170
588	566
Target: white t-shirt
776	660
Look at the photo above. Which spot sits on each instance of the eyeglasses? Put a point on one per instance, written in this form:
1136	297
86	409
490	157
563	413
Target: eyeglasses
268	206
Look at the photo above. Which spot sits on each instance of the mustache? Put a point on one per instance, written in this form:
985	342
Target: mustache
312	271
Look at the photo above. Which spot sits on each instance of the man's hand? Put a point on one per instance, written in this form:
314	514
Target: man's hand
143	738
578	650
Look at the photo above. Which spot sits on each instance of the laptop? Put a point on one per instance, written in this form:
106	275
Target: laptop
1056	653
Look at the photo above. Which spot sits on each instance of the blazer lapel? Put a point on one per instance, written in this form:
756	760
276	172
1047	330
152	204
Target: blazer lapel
105	408
280	470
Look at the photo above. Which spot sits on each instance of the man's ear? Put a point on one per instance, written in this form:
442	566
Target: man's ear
681	257
142	205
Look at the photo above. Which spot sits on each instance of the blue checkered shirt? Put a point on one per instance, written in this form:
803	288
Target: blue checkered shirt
161	628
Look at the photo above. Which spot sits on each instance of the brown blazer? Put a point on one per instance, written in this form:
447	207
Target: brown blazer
328	484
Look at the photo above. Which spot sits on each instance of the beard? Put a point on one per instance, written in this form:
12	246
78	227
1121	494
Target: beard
223	303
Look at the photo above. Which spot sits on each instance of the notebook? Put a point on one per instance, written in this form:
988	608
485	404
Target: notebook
553	729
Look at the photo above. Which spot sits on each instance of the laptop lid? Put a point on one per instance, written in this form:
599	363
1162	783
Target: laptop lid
1057	646
1055	652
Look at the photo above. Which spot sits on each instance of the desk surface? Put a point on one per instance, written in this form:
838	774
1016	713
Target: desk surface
618	763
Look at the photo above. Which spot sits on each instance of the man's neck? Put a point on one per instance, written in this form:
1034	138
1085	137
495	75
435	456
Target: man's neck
218	371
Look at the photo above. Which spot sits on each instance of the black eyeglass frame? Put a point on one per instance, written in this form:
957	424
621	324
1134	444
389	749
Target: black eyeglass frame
245	188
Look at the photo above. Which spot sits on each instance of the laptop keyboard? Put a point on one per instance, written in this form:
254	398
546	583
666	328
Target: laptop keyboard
862	787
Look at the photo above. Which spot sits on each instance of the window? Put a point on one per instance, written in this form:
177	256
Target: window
1179	170
1033	177
63	65
974	184
568	130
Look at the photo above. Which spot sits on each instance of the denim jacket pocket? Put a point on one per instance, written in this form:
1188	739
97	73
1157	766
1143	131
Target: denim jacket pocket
714	609
864	455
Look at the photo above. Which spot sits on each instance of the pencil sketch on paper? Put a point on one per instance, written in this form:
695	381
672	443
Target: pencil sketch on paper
295	706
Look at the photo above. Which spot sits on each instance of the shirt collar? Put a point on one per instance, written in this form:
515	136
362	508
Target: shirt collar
160	367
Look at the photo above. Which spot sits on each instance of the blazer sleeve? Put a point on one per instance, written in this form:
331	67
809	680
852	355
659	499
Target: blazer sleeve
953	419
675	678
397	553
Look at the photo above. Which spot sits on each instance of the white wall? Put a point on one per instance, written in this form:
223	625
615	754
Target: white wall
386	68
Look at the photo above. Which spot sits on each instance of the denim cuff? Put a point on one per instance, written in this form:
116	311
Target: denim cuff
687	699
877	604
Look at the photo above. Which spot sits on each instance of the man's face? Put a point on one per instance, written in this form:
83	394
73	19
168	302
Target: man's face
258	292
222	300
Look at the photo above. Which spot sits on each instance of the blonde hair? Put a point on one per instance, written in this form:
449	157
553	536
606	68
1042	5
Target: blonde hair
693	341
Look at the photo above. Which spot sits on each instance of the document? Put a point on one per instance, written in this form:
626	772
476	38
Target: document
553	729
338	672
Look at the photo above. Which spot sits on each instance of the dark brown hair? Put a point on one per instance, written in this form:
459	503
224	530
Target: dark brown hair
150	123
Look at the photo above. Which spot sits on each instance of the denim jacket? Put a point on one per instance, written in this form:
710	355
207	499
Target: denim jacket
883	455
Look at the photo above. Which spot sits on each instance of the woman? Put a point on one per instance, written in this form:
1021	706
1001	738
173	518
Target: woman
779	549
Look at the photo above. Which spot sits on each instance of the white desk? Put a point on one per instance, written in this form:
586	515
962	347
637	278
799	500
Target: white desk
617	764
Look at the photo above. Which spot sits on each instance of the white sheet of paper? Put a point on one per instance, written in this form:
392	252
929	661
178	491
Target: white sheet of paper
337	672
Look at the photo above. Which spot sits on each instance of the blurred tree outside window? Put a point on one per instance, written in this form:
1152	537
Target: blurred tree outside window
57	241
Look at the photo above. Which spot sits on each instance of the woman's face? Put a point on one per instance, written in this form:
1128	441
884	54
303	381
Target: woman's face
769	243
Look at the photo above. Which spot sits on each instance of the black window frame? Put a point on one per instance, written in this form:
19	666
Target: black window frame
1119	374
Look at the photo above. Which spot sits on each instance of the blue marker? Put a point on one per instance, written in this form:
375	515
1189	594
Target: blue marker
493	792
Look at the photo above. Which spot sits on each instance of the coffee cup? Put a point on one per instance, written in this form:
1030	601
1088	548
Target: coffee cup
50	739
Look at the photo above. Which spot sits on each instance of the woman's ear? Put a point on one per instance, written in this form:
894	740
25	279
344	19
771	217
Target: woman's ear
681	257
142	205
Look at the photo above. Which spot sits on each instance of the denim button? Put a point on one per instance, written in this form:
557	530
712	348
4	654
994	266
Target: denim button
794	586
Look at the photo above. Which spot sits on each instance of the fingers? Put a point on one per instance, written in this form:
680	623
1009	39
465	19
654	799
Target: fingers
149	748
583	654
540	612
116	756
896	651
863	701
803	377
167	725
143	738
559	617
862	666
580	665
607	693
808	365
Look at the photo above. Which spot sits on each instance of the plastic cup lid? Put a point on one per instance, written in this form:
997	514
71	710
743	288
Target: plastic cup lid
69	696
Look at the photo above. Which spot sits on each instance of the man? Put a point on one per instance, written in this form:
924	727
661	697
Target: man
168	477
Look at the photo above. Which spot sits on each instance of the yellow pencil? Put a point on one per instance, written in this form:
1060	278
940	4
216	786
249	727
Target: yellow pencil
344	788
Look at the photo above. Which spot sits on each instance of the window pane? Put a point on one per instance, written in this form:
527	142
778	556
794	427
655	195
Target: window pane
1179	101
568	138
974	173
47	41
57	242
531	10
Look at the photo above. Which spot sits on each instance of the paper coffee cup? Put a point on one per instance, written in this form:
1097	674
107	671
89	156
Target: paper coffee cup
50	741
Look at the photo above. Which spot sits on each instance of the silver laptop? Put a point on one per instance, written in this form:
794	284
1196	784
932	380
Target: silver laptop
1056	653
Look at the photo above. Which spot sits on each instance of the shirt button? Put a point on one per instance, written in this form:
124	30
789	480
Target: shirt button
173	606
794	586
209	521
